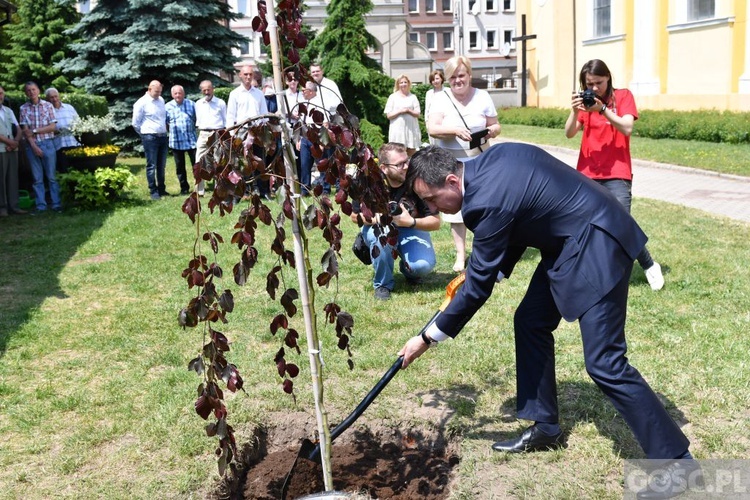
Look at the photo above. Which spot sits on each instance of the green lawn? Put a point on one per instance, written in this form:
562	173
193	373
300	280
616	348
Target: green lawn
726	158
96	400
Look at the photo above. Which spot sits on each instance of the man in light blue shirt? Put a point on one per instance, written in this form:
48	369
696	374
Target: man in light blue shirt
150	122
182	139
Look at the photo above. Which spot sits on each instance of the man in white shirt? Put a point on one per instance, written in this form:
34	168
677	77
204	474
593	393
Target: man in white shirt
150	122
211	115
328	92
247	101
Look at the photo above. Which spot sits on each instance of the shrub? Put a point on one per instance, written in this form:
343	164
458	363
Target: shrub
85	104
98	189
703	125
371	134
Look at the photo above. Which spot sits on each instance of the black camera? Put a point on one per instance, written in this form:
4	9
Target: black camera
394	208
589	97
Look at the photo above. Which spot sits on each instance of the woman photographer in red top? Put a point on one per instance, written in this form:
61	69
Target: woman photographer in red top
607	119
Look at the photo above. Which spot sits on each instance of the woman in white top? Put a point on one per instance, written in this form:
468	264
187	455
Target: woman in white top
437	78
455	114
403	110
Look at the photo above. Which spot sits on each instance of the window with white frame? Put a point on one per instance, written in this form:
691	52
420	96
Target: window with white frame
490	5
431	40
414	36
84	6
242	7
448	41
491	39
508	36
509	5
413	5
430	6
474	6
447	5
701	9
474	40
245	47
602	16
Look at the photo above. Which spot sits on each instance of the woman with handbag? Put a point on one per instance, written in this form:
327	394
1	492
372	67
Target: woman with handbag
461	120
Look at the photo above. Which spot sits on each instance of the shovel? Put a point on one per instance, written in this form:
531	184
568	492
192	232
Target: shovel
310	450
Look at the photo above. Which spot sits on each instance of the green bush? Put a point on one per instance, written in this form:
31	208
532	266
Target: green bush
372	135
704	125
85	104
223	92
98	189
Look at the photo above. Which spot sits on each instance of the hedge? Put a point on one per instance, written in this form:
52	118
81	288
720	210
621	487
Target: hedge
84	104
704	125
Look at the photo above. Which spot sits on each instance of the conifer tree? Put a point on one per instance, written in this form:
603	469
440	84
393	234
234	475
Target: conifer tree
126	44
341	49
37	42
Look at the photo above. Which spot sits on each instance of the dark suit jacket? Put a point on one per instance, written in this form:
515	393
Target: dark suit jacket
518	196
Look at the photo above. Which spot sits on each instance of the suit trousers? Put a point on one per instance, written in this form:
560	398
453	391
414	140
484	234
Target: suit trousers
604	349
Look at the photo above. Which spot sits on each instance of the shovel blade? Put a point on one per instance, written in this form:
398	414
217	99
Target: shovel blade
305	450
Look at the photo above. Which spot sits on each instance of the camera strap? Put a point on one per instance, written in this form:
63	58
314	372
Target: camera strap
450	98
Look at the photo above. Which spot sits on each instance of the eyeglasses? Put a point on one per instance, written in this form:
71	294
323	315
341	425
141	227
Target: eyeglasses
398	166
292	78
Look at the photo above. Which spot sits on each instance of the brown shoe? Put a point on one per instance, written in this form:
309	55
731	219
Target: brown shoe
20	211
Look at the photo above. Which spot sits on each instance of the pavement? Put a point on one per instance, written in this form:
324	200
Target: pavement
719	194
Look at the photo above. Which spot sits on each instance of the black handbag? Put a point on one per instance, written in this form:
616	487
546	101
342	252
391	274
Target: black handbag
361	250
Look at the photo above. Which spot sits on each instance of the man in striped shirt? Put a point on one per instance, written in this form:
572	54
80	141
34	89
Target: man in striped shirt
182	138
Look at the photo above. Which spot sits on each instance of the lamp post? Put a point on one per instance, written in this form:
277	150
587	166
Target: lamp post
458	20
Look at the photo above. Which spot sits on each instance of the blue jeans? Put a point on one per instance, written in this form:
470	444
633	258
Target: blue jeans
622	190
156	147
41	168
417	256
306	162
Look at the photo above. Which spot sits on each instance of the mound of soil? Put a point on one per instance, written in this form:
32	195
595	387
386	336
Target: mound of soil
372	461
380	470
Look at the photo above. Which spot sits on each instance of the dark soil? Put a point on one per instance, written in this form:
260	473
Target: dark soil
376	463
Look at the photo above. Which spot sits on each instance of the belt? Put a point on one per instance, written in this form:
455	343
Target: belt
210	129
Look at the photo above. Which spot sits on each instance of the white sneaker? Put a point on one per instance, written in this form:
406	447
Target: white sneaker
654	277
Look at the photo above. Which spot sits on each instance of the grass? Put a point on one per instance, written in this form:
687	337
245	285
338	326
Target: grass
725	158
96	400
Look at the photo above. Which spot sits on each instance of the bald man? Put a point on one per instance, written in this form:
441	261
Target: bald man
150	122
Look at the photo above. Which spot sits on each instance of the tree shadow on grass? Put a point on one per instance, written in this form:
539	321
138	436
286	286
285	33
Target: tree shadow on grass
35	249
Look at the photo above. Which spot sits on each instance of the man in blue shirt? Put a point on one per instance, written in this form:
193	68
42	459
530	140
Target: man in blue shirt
182	138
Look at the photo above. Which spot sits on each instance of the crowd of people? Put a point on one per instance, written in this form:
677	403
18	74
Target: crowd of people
42	131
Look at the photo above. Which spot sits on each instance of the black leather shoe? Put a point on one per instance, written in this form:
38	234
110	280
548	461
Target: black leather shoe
673	479
532	439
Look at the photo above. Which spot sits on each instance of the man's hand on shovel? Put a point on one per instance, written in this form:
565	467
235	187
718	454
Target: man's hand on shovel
417	345
413	349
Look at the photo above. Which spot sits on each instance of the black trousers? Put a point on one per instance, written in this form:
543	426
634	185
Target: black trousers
604	350
179	166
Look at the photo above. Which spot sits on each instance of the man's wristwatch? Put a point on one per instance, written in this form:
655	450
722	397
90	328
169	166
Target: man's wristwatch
33	131
427	340
604	108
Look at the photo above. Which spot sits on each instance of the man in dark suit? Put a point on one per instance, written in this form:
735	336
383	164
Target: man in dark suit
516	196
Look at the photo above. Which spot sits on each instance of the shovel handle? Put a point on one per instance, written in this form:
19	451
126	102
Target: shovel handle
360	409
450	292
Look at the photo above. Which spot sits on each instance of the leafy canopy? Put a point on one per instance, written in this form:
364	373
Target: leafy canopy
125	45
37	42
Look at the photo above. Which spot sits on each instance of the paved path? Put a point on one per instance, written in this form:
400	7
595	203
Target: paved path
720	194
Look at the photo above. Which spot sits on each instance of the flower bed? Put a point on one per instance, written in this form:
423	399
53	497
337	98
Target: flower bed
91	157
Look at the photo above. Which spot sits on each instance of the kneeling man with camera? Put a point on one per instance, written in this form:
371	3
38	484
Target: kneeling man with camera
410	218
